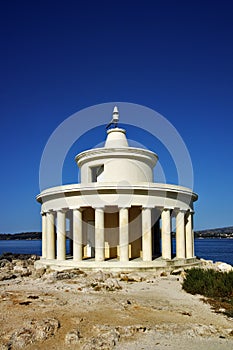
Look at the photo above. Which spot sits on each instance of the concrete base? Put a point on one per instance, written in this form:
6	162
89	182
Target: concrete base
115	265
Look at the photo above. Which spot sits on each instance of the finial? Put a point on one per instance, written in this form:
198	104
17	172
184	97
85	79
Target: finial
115	118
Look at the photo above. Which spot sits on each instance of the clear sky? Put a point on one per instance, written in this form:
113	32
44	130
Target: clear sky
58	57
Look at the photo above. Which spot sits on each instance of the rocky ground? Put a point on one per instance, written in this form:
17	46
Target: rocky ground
44	309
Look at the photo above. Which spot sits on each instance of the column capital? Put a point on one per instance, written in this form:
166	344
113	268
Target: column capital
51	211
147	207
98	208
189	212
168	208
63	210
184	211
161	209
43	213
77	207
180	210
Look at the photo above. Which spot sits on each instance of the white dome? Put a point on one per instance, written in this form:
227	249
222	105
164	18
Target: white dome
116	138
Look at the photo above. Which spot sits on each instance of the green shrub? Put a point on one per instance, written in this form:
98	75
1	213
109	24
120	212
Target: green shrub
210	283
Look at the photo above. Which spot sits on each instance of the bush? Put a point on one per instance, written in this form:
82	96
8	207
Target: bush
210	283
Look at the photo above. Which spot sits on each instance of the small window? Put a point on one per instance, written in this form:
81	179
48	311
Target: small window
96	172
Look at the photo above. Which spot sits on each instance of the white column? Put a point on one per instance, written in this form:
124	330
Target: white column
146	235
193	253
189	236
44	235
166	234
99	234
71	232
50	254
124	234
77	235
180	235
61	235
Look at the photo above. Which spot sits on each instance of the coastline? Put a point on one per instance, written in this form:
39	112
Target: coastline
224	232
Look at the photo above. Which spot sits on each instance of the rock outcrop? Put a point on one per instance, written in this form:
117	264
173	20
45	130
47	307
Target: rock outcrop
34	331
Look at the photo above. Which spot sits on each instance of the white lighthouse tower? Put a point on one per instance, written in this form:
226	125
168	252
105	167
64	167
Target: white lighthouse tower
119	218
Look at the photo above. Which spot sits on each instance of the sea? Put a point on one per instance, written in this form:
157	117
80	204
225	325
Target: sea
215	249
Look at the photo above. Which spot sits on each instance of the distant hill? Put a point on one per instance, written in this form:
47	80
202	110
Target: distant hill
225	232
22	235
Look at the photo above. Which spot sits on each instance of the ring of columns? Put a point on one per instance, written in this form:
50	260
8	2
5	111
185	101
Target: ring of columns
77	234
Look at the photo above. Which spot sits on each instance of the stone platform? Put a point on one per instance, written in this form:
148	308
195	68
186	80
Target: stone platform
115	265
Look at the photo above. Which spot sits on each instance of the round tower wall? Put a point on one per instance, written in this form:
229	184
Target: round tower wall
116	161
116	170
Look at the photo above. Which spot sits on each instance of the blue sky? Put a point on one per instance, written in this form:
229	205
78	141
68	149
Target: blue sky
58	57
